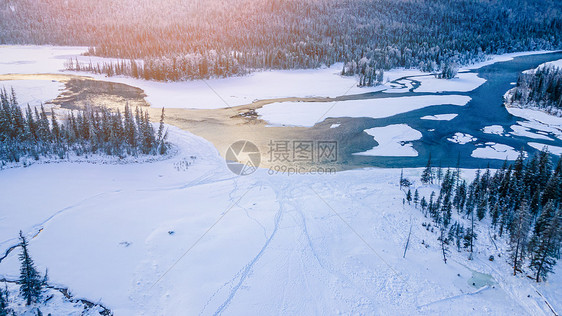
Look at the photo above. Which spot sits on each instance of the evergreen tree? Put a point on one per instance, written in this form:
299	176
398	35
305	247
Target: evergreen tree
520	228
409	196
423	204
446	209
439	173
30	281
481	208
545	242
552	190
427	174
444	244
162	135
4	309
91	131
460	196
130	130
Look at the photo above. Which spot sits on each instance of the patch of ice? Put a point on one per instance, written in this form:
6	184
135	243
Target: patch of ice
462	138
392	141
519	130
493	129
553	149
439	117
539	120
495	151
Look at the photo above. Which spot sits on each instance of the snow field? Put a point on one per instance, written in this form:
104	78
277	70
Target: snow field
147	239
33	92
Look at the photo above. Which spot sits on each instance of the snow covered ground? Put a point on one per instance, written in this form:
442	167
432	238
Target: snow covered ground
208	94
185	236
220	93
310	113
57	304
156	239
392	141
463	82
495	151
31	59
33	92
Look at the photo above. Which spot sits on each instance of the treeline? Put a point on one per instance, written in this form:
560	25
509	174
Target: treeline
177	39
175	68
90	131
541	88
521	200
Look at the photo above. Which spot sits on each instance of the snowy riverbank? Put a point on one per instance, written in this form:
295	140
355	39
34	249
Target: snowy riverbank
200	240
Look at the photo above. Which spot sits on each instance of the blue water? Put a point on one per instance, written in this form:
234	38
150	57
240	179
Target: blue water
485	109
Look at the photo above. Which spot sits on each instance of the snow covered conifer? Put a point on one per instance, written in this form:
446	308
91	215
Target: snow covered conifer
423	204
520	228
545	242
409	196
31	283
427	175
4	310
162	135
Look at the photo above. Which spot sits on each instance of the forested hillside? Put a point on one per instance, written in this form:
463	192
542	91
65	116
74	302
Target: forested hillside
541	88
521	200
178	39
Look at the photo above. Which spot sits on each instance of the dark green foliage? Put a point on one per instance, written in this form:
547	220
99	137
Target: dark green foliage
200	39
31	283
427	175
409	196
519	233
541	88
513	197
545	243
91	131
4	310
456	234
